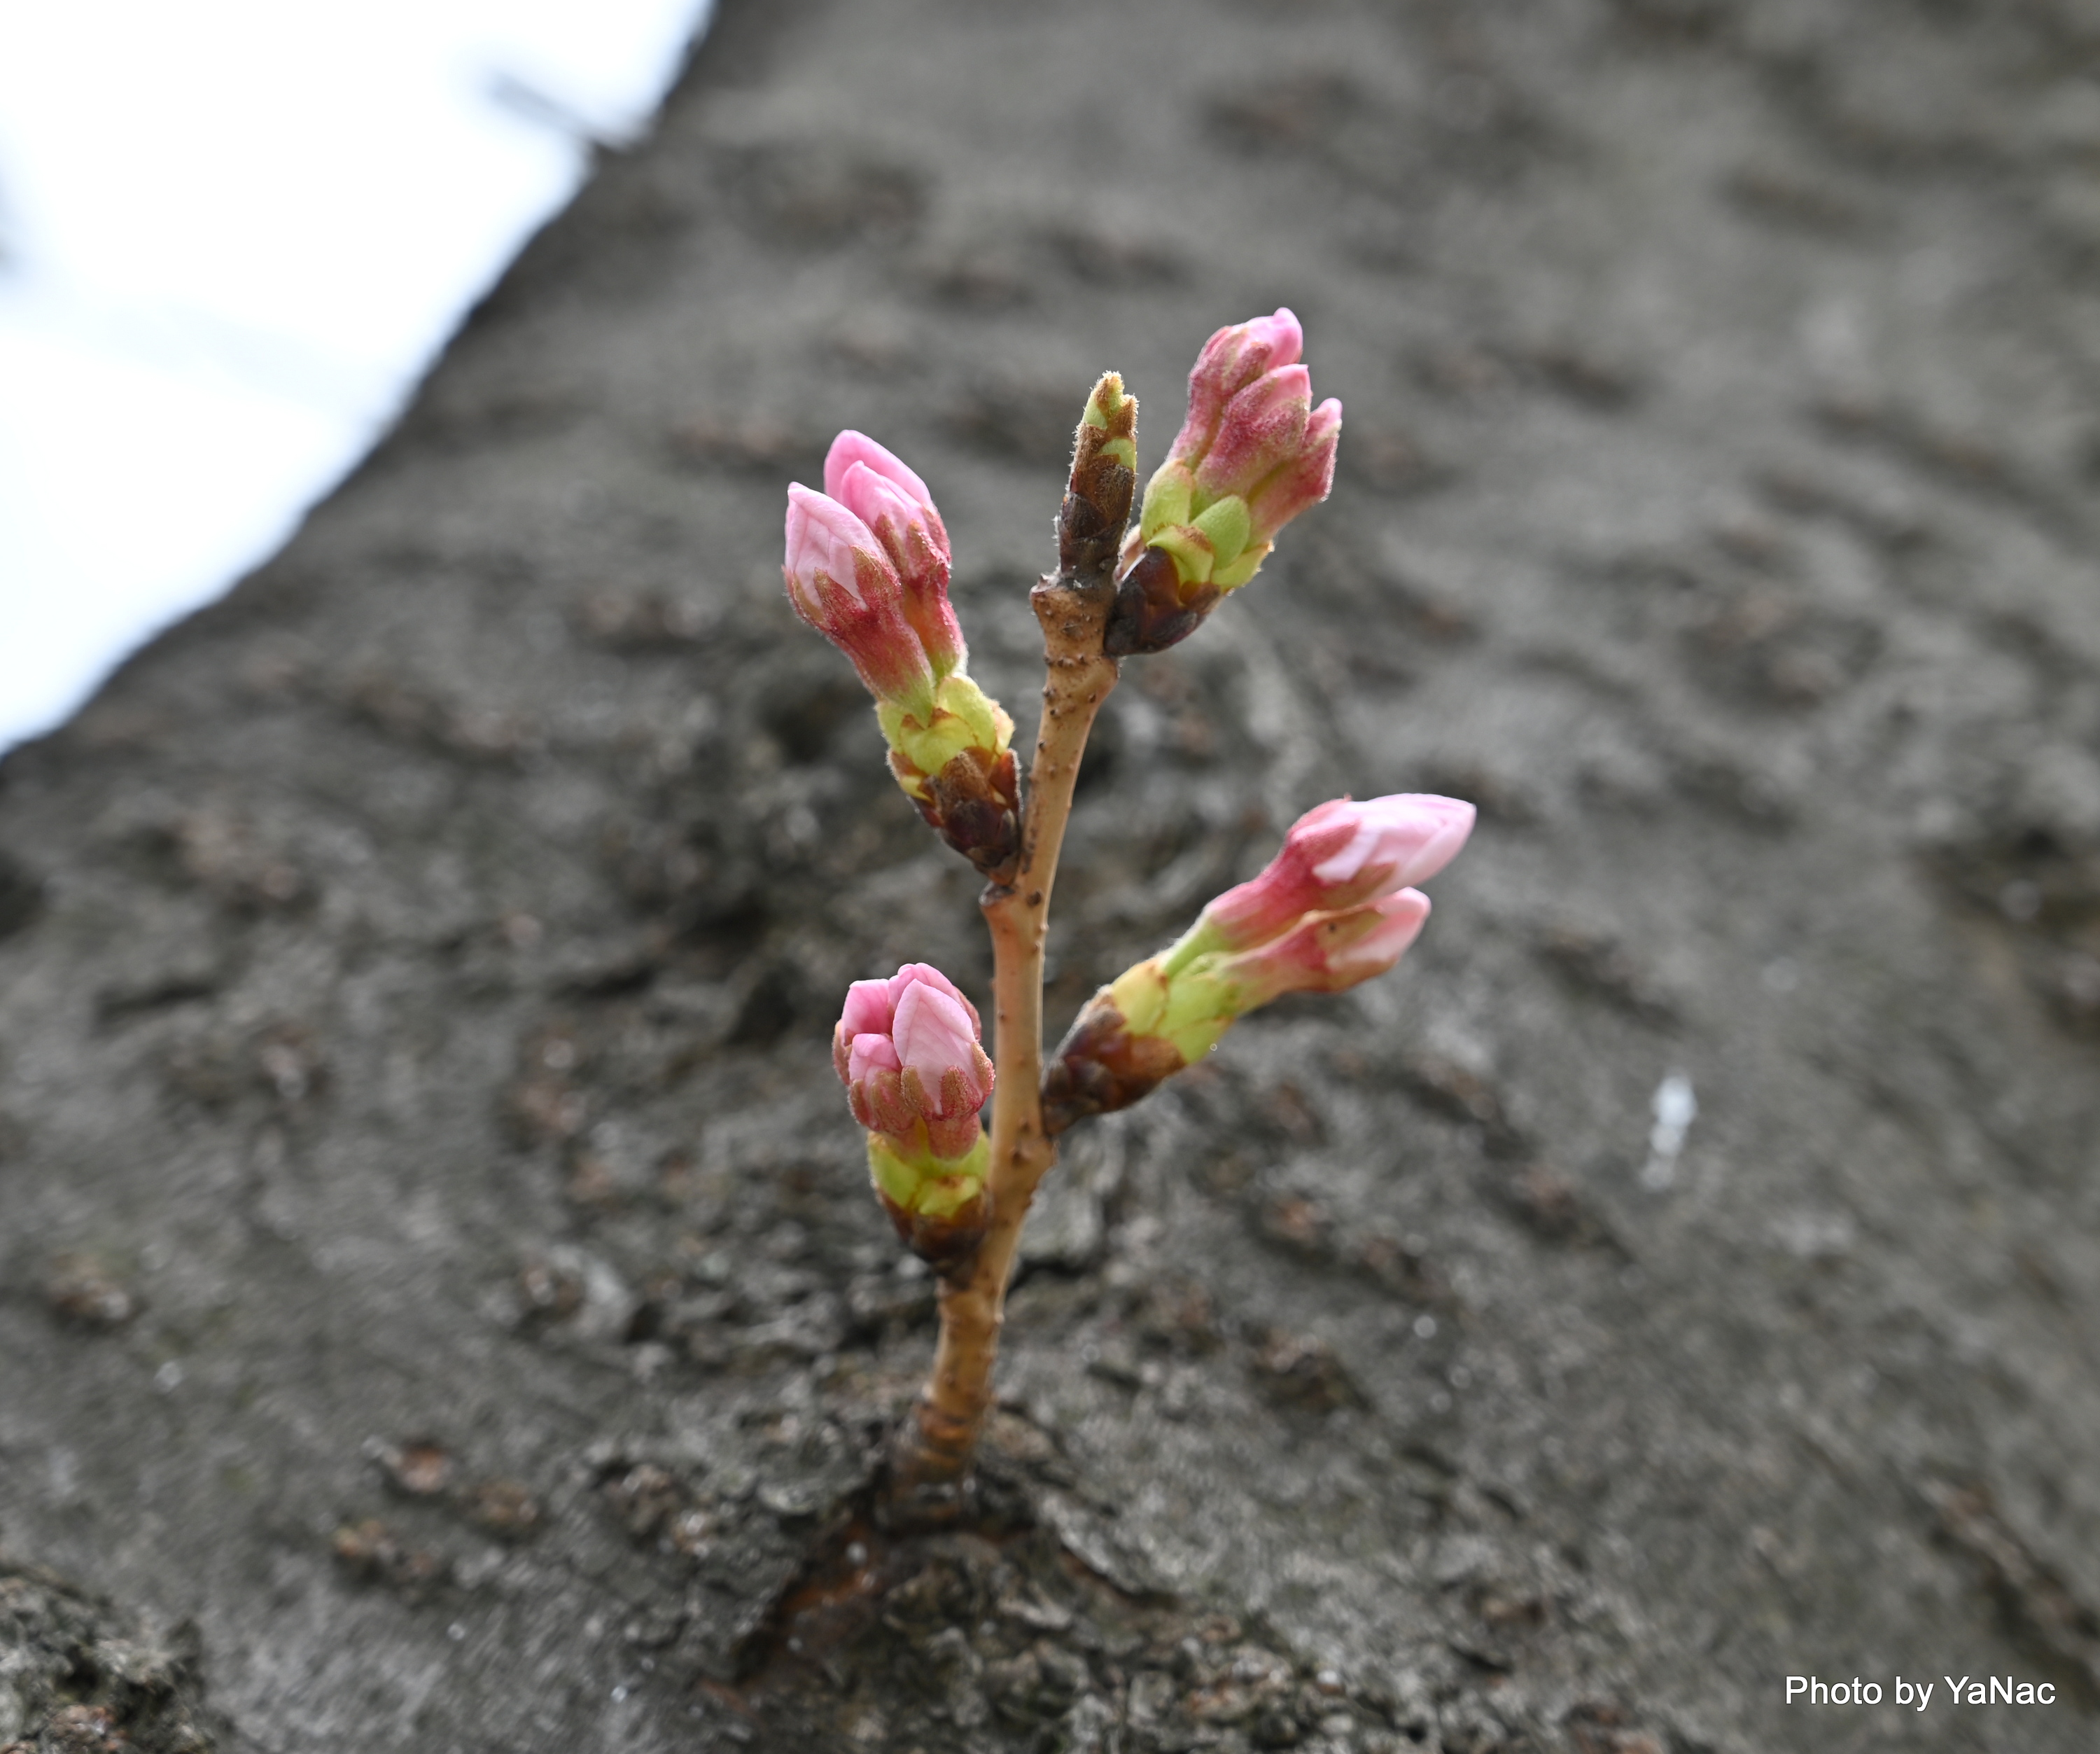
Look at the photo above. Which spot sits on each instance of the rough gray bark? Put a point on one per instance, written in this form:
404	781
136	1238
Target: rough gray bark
437	1256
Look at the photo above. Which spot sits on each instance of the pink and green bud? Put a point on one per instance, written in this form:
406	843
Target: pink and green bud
1324	952
868	567
895	505
842	584
1337	856
1334	908
1191	1005
907	1050
1253	454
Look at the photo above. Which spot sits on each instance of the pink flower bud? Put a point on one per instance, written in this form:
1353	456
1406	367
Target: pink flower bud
911	536
1231	360
907	1050
1338	856
1263	429
842	584
1253	454
1302	480
850	448
1328	952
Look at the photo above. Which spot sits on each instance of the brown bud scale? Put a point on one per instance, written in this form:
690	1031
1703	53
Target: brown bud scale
1153	609
974	805
947	1243
1100	1067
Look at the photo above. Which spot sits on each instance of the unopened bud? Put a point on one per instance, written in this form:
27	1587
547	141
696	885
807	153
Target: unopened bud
1104	478
1333	909
877	487
1253	454
907	1050
868	567
1337	855
843	584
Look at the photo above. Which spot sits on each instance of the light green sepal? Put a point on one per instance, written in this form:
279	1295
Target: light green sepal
963	717
1182	997
1191	549
1227	527
1140	994
1201	1006
1232	577
990	727
1201	939
1169	498
919	1182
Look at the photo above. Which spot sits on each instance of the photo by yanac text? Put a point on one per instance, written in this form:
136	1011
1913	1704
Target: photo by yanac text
1964	1690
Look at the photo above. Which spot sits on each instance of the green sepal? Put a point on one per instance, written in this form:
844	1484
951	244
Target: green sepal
1201	939
1140	995
1190	551
1232	577
1227	527
912	1177
1189	1010
1169	497
990	727
1123	448
963	717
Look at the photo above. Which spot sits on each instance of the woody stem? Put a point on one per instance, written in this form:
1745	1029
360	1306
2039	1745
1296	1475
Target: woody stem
938	1444
931	1462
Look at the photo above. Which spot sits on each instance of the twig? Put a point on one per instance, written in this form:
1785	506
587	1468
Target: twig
937	1445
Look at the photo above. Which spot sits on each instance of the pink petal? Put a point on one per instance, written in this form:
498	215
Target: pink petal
932	1033
1400	919
1301	481
872	1053
916	974
825	541
1404	838
868	1009
1263	429
850	448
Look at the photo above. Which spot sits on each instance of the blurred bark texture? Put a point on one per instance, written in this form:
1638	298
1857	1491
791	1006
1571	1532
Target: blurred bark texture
443	1305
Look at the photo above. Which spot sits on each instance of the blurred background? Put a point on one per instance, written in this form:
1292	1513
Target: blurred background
233	236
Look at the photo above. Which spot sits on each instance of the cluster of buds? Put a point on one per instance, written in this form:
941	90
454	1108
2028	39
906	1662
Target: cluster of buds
1335	906
907	1050
868	567
1253	454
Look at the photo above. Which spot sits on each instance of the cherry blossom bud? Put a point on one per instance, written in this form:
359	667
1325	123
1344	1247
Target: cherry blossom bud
894	503
1231	360
1333	909
1336	856
1324	952
1303	479
842	584
1253	454
868	567
907	1050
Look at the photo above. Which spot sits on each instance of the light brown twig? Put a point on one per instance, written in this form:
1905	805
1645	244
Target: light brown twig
932	1461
